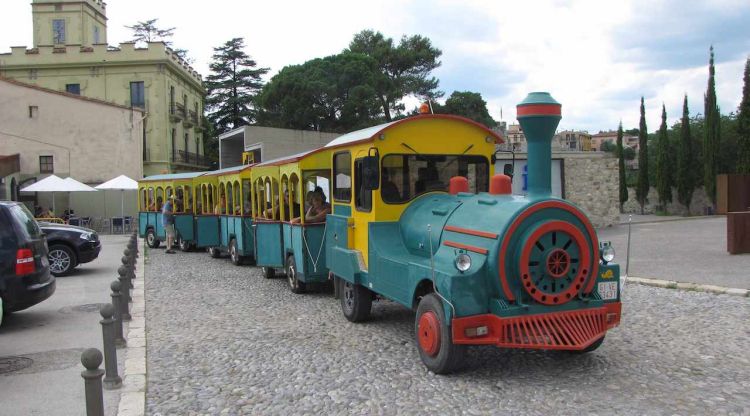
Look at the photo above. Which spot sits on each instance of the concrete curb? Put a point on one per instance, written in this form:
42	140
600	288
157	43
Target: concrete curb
672	284
133	395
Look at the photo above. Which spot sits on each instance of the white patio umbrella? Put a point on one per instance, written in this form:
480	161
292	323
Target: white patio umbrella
76	186
51	183
123	183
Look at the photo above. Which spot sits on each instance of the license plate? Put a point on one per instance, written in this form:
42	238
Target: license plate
608	290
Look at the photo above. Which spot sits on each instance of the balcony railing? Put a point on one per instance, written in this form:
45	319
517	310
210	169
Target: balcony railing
190	158
176	112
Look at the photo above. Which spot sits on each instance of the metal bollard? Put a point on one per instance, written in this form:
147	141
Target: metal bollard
124	278
124	293
112	380
116	297
92	376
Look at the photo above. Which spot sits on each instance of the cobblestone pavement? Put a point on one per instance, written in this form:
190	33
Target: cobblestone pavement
224	340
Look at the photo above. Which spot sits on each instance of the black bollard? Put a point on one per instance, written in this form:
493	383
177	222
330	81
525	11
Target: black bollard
112	380
124	293
116	296
92	376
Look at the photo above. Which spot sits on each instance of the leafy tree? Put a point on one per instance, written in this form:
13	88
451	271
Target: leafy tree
232	87
148	32
609	147
641	191
402	70
685	160
711	138
334	93
743	125
467	104
663	168
621	167
628	153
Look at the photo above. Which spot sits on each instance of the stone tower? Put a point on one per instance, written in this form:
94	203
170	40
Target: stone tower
69	22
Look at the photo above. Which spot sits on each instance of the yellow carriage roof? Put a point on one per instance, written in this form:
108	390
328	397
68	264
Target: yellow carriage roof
232	169
172	176
370	133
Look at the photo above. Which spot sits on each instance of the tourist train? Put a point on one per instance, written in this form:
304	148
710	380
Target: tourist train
417	216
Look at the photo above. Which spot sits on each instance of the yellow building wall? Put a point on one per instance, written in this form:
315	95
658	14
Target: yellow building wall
80	19
106	74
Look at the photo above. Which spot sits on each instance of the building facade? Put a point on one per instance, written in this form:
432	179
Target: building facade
597	140
266	143
572	140
71	54
43	132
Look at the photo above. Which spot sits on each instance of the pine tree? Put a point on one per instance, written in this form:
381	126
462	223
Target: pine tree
663	168
711	138
621	166
232	86
685	160
743	125
148	32
641	190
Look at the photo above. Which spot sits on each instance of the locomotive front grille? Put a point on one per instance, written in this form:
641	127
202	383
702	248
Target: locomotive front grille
570	330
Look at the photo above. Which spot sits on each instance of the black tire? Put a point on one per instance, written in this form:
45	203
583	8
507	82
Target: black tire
214	252
234	255
184	245
295	285
356	301
268	272
151	240
596	344
442	356
62	260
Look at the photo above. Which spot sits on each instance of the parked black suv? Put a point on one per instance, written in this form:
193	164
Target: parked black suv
69	246
25	278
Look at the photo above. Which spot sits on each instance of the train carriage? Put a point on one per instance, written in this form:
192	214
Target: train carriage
269	252
419	218
206	221
234	211
153	193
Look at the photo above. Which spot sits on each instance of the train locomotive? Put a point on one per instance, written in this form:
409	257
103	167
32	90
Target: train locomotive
418	217
489	267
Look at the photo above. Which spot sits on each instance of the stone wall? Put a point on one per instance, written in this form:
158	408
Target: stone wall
698	205
591	182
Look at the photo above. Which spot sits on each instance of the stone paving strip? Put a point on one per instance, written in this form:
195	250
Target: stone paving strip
223	340
673	284
133	396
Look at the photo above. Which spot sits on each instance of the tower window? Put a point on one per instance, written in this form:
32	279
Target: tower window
96	34
58	31
137	94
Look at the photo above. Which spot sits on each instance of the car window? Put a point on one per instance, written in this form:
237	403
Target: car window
27	225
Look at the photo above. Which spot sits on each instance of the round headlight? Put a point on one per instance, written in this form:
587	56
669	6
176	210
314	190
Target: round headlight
608	253
463	262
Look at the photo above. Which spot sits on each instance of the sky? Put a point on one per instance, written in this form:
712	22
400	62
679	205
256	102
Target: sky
596	57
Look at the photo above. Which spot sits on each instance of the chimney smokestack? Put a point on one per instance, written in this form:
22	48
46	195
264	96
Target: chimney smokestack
539	114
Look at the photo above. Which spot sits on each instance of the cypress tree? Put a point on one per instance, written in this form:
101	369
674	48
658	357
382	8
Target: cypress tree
743	125
663	182
711	138
621	166
685	160
641	190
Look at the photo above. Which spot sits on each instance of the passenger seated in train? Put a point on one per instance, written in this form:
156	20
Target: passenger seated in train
318	210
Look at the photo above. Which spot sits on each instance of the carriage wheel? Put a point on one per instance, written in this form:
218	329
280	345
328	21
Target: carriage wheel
291	276
356	301
434	339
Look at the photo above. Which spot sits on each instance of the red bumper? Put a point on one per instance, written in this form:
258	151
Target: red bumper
569	330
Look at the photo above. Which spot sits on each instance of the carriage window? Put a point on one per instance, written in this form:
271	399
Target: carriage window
405	177
362	197
342	173
247	201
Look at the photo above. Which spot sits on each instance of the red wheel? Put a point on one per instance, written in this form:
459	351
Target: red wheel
428	331
434	339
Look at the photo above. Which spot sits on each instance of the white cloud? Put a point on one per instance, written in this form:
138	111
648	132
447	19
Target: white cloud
593	56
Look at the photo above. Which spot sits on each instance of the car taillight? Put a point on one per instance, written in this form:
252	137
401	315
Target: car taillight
24	262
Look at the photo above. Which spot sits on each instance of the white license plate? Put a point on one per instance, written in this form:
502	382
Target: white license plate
608	290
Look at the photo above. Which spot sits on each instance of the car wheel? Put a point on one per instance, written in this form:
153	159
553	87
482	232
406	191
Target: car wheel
268	272
434	339
356	301
62	260
214	252
184	245
291	276
151	240
234	254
